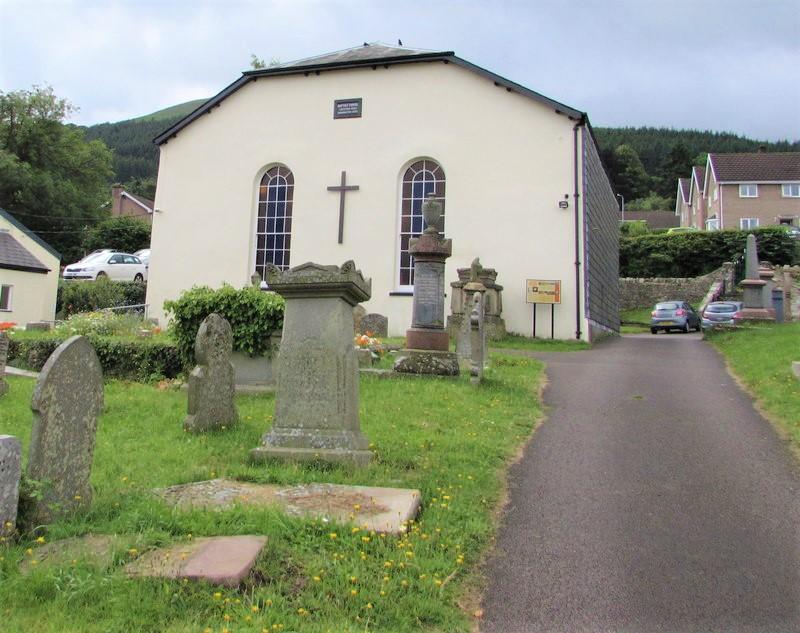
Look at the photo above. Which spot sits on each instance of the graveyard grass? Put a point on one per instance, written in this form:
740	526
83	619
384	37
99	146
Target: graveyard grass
451	440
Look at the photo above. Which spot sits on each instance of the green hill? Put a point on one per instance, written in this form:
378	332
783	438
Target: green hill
172	112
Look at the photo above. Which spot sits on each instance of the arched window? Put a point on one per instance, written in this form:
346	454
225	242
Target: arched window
421	178
274	223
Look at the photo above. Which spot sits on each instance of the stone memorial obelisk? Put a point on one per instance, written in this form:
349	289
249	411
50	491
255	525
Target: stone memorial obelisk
427	341
316	408
753	285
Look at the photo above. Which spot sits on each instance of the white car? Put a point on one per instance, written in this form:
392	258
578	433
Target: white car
144	255
113	266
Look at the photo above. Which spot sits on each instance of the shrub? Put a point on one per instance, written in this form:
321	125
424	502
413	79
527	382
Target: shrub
141	360
633	227
102	324
253	314
124	234
90	296
697	253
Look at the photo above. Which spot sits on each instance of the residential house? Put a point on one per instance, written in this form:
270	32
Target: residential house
130	205
683	207
697	201
29	269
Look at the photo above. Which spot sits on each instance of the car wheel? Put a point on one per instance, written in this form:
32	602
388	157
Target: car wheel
139	278
100	275
686	328
653	330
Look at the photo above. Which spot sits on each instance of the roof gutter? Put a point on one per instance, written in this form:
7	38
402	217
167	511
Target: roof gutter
576	199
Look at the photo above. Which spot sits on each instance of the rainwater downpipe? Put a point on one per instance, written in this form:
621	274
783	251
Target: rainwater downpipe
576	198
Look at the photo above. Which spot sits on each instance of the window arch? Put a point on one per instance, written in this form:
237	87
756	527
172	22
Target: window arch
424	176
274	220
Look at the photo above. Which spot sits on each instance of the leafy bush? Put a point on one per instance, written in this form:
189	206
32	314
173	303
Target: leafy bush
253	314
141	360
126	234
90	296
633	227
693	254
103	324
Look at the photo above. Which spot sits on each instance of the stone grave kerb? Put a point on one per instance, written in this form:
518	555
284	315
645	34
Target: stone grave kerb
316	407
66	402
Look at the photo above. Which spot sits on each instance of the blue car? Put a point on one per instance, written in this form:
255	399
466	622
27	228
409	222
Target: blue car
674	315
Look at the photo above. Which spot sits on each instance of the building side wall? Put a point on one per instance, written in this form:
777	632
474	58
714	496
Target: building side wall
698	209
768	207
685	212
602	242
508	161
128	208
712	206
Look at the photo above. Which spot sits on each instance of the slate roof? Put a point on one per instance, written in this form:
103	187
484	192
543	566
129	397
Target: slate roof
14	222
14	256
684	183
148	203
362	56
756	167
700	176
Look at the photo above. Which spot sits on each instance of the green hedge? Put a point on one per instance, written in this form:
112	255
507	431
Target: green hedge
693	254
90	296
140	360
253	314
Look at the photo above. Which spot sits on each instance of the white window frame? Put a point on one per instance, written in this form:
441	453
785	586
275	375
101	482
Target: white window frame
712	224
746	224
9	296
280	255
745	189
790	190
716	193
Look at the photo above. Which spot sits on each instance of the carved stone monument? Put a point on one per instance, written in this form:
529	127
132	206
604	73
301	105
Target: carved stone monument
10	453
3	360
477	339
427	341
753	285
211	383
66	402
376	324
474	286
316	410
493	304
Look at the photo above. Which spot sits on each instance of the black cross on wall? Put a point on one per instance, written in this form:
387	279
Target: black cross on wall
342	188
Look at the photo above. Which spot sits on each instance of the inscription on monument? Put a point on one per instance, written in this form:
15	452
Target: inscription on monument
429	294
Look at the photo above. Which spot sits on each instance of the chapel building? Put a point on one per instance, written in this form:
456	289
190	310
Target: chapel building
329	159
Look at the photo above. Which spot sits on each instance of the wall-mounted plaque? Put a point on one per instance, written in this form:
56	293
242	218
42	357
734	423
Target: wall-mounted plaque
347	108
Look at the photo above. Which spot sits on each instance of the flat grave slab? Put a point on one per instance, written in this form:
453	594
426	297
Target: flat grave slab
219	560
378	509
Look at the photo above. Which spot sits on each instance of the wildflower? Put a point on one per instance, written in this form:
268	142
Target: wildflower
353	579
365	539
77	497
333	535
217	595
404	583
40	540
255	608
268	602
369	605
353	592
226	617
355	529
133	551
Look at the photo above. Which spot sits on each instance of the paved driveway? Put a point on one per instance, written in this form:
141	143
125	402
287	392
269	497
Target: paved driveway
653	499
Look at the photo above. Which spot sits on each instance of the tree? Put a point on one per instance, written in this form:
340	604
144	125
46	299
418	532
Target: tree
51	178
142	186
257	63
628	174
677	164
124	234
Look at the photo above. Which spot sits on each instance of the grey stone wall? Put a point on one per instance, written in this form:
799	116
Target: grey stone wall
642	292
601	246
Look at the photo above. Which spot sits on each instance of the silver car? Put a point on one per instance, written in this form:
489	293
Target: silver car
674	315
722	313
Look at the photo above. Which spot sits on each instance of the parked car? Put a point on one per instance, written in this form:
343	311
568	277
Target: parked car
674	315
109	265
682	229
794	232
722	313
144	255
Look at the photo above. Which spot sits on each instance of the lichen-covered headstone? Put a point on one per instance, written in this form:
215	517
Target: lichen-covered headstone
212	381
10	451
3	359
66	402
374	324
477	341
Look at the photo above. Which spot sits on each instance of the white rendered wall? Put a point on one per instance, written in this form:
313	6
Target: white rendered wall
508	161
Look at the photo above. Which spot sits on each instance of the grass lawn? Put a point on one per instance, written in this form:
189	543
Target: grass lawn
515	341
447	438
761	357
634	321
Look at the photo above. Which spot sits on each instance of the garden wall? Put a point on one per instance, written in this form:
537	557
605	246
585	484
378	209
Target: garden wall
635	292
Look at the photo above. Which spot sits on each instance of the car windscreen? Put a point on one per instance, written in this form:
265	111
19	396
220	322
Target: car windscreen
94	259
668	306
721	307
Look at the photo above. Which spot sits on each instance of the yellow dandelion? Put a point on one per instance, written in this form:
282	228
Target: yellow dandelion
217	595
226	617
369	605
77	497
332	535
255	608
317	579
40	540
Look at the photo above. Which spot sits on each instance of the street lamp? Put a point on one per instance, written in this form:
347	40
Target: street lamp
621	197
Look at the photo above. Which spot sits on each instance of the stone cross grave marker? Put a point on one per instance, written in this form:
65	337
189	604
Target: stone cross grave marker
316	408
3	359
10	452
66	402
212	381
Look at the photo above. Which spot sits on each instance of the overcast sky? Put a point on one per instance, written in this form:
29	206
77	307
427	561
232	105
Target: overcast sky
725	65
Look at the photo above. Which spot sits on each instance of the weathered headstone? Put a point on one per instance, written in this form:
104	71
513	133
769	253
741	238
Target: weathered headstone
375	324
359	312
754	285
477	339
316	409
10	452
211	383
3	360
255	279
66	402
427	341
364	356
460	304
473	286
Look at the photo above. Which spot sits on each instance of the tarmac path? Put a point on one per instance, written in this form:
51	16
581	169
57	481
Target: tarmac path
654	498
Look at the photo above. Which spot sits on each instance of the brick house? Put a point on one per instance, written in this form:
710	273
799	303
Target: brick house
683	207
697	201
127	204
744	191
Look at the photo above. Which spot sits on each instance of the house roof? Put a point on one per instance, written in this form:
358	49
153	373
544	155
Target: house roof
14	256
142	202
367	55
683	186
16	223
699	174
756	167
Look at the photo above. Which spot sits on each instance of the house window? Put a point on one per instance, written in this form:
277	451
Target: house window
712	224
790	191
421	178
748	191
5	298
274	221
748	223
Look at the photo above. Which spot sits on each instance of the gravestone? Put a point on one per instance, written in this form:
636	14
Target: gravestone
753	285
477	339
211	383
473	286
66	402
10	452
460	304
375	324
359	312
316	408
3	360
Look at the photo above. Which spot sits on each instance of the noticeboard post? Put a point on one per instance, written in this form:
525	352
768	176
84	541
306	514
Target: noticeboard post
546	291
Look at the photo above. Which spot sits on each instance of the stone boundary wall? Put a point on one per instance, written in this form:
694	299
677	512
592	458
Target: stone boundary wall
637	292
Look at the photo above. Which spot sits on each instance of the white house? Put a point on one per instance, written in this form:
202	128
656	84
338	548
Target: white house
246	179
29	269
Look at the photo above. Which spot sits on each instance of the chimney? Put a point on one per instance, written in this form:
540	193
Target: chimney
116	200
762	149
